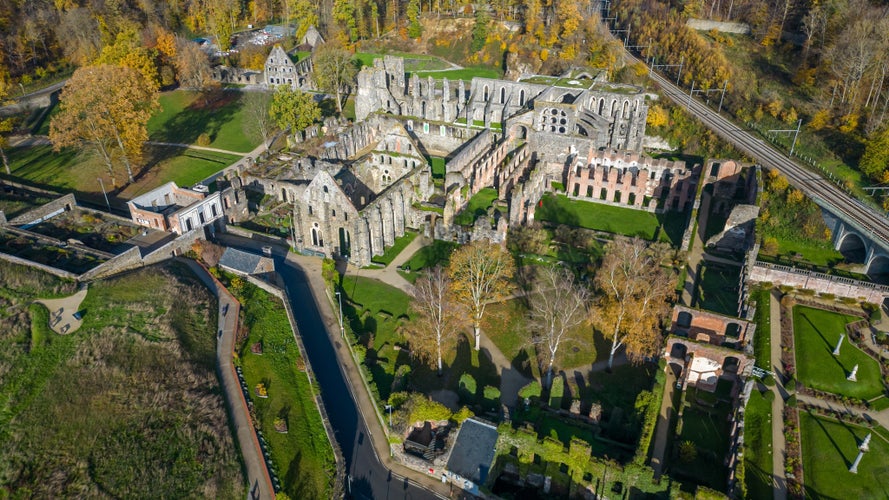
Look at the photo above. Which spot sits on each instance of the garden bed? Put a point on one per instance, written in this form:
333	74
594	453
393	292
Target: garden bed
94	230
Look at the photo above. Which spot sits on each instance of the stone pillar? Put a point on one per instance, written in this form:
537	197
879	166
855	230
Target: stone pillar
399	209
387	222
375	228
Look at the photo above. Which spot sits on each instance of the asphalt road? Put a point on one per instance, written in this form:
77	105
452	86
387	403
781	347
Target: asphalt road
368	477
825	193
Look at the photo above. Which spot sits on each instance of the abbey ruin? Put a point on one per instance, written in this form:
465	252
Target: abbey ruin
519	138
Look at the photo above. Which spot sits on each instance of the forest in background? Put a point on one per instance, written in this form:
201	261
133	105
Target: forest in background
823	61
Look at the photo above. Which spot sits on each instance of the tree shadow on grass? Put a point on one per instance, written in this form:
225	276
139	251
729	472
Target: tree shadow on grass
846	461
207	114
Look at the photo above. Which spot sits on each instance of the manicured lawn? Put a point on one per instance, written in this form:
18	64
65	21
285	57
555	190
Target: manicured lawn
69	171
718	288
393	251
829	448
478	205
619	220
758	443
816	333
185	115
762	340
148	418
791	252
303	457
466	74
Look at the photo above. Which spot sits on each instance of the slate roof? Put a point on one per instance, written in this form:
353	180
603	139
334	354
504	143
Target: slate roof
240	261
473	451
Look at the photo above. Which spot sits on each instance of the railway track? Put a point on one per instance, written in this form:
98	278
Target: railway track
863	218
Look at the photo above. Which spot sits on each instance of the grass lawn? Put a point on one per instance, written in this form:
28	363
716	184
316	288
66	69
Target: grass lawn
128	406
792	252
373	312
478	205
758	444
816	333
707	428
14	204
717	288
829	448
185	115
393	251
466	74
438	167
762	340
303	456
68	171
626	221
436	253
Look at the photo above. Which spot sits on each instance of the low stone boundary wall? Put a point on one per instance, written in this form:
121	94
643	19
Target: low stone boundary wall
722	27
36	265
66	202
820	282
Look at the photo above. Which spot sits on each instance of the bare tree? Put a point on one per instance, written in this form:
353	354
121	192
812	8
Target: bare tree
634	290
257	105
481	273
192	64
558	307
436	317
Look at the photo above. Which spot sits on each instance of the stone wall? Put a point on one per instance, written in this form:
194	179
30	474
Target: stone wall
723	27
129	259
822	283
66	202
36	265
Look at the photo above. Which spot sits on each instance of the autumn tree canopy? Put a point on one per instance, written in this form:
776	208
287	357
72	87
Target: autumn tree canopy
294	109
634	292
480	273
106	108
333	70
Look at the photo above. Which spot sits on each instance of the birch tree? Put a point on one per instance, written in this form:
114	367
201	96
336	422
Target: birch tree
634	290
436	317
480	273
257	106
558	308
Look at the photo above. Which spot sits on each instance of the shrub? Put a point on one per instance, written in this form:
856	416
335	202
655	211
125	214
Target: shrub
532	390
396	399
556	392
203	140
492	396
462	414
468	386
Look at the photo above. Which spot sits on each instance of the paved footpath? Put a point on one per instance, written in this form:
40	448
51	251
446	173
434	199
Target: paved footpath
663	427
779	480
260	484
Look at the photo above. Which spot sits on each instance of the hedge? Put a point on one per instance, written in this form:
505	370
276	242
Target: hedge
532	390
556	392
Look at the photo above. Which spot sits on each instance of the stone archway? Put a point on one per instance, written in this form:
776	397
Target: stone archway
878	269
853	248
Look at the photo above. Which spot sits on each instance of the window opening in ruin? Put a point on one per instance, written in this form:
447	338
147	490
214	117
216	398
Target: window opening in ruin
485	98
631	200
589	191
333	213
502	95
225	202
325	189
213	209
522	98
311	211
188	225
603	195
201	217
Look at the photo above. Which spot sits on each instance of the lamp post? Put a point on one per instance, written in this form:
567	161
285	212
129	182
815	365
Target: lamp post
104	193
389	407
342	329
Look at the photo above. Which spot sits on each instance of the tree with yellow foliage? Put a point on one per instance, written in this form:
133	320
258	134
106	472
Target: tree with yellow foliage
105	108
634	293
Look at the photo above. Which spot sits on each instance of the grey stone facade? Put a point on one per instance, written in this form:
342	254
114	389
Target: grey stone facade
281	70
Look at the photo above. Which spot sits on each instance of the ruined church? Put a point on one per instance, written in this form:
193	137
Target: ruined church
375	181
